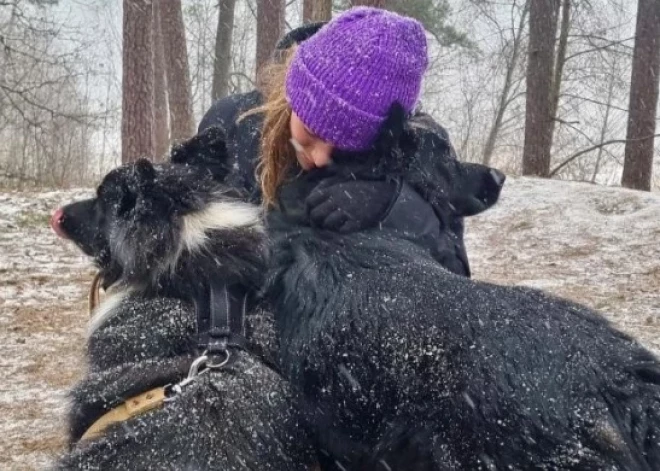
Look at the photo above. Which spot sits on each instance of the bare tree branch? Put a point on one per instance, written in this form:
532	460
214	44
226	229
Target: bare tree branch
595	147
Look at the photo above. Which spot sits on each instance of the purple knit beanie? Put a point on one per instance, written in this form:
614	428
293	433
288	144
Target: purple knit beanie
343	80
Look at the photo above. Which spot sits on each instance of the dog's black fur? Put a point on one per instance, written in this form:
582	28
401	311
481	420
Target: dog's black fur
406	366
158	235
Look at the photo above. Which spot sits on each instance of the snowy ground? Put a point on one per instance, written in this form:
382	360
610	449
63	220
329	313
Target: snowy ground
596	245
43	284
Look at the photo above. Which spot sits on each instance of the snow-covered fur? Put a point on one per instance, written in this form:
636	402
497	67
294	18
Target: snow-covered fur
405	366
158	234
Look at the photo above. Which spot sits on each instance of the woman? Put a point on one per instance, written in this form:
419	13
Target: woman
349	206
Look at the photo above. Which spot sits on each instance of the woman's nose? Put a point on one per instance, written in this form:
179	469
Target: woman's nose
321	154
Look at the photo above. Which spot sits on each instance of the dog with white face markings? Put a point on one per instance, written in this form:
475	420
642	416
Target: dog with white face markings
160	235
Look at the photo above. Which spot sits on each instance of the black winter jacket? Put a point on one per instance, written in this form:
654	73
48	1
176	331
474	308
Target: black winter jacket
410	213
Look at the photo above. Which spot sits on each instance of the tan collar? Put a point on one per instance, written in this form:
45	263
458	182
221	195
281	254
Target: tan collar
94	293
133	407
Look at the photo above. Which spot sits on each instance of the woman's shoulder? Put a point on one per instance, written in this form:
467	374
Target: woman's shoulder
227	110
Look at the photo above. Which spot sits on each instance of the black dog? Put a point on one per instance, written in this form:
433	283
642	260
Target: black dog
159	235
406	366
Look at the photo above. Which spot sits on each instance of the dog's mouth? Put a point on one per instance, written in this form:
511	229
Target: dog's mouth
56	223
68	229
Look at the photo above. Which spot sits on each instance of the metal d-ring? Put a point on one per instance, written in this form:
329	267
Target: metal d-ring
222	364
200	362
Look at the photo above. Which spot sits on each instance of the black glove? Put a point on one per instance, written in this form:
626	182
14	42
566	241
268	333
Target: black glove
350	206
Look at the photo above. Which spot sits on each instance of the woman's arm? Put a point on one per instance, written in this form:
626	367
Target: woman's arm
416	220
367	204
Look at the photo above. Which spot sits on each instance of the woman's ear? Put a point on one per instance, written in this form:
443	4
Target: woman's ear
478	189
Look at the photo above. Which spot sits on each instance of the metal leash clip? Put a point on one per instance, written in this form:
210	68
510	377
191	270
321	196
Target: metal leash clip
194	371
198	367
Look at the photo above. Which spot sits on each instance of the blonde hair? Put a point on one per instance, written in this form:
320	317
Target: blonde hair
276	153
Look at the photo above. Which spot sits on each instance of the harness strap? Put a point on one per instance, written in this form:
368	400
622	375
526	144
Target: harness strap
220	327
221	318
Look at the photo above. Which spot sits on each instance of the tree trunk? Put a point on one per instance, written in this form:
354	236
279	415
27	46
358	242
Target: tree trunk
317	10
176	67
505	99
270	27
137	82
638	162
538	120
223	37
369	3
559	64
161	111
604	128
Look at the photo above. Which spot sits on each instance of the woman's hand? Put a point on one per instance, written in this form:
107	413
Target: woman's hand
350	206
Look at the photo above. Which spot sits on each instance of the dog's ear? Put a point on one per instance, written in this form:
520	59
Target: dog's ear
387	154
207	149
145	172
477	189
382	158
391	130
136	193
127	198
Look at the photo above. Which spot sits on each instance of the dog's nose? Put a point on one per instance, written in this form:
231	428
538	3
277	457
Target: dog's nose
56	223
498	177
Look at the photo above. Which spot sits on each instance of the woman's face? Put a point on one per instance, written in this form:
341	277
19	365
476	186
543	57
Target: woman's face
311	151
